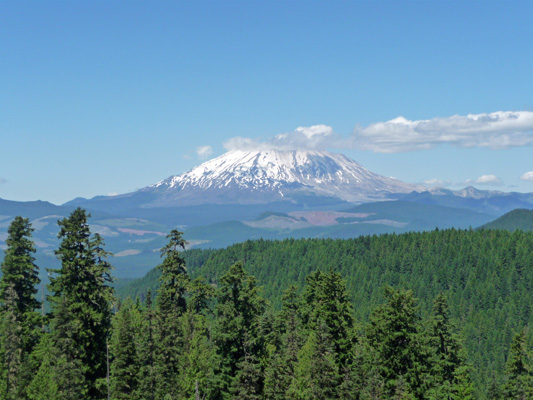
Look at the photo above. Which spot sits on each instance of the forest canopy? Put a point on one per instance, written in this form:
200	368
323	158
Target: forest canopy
432	315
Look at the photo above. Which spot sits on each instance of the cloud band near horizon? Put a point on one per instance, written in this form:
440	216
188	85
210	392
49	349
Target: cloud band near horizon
497	130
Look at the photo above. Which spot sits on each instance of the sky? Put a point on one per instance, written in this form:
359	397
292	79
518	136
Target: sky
106	97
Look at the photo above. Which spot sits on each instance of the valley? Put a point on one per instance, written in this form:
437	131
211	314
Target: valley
260	195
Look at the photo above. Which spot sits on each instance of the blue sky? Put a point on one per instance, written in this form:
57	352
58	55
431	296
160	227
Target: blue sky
100	97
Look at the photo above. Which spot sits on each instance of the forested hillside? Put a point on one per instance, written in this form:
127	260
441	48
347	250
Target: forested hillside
436	315
517	219
486	276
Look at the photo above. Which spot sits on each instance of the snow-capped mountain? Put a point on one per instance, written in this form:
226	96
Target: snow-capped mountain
255	177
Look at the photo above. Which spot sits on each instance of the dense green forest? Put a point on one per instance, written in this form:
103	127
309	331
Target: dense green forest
435	315
486	276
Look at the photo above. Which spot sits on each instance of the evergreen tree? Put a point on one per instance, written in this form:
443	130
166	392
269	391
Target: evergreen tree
463	388
394	334
279	372
171	304
237	337
402	391
366	381
69	373
519	385
43	386
316	371
326	302
198	359
494	391
200	295
278	377
81	287
247	385
146	353
125	364
20	272
292	339
11	345
20	330
327	312
449	372
174	278
60	375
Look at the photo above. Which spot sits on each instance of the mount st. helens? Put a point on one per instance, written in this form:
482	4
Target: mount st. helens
259	177
263	176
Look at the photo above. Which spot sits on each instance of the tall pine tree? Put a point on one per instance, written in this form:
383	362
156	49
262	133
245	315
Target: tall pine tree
449	371
81	290
146	353
280	370
11	345
394	333
20	330
68	372
326	302
171	304
519	385
316	371
125	363
239	344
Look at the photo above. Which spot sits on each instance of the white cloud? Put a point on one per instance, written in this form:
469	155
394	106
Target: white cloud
528	176
437	183
315	131
314	137
204	152
240	143
498	130
486	180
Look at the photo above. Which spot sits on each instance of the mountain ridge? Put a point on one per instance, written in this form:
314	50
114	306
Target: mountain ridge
259	177
488	201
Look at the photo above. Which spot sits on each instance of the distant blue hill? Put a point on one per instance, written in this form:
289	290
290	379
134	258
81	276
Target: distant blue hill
136	234
485	201
30	209
380	217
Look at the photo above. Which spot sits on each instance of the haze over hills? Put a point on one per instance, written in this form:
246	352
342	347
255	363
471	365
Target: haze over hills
261	194
488	201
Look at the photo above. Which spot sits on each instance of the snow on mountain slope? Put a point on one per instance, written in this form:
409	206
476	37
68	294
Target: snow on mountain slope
253	177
